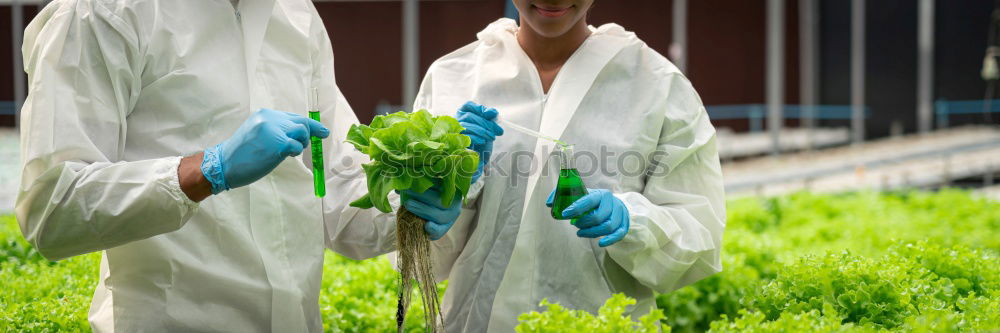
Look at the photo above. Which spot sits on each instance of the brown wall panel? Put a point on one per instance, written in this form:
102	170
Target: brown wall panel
448	25
649	19
367	43
366	46
7	57
6	54
726	50
726	43
792	52
727	53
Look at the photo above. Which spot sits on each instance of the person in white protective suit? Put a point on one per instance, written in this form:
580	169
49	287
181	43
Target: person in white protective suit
134	116
644	145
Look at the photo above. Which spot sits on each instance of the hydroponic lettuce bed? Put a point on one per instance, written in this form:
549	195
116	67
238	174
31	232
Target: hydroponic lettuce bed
907	261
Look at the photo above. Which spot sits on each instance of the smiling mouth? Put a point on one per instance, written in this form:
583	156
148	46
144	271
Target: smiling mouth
551	12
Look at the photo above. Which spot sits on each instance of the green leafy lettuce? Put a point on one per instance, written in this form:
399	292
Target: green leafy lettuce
610	318
413	151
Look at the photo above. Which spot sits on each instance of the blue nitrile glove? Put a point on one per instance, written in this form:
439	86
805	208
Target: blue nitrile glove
427	205
608	216
257	147
481	126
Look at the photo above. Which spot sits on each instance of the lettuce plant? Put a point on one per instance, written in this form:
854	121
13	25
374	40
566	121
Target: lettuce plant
413	151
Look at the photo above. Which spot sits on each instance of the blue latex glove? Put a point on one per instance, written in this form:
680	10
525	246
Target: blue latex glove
427	205
607	216
257	147
481	126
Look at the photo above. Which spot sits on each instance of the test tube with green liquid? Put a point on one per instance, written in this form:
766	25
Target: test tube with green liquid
319	181
569	187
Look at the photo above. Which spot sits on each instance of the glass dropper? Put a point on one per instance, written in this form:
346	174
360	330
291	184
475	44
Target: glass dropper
525	130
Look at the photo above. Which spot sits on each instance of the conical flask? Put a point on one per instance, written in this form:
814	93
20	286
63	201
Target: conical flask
570	186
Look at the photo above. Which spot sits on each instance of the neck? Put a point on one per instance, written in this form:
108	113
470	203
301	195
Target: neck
552	52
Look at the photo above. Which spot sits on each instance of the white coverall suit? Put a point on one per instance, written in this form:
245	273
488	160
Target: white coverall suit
614	95
119	92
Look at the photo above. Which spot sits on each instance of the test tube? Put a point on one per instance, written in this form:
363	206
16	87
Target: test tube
319	180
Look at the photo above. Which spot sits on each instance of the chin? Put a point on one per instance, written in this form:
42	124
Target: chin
551	30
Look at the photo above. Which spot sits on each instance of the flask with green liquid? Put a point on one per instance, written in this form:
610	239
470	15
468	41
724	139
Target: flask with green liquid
570	186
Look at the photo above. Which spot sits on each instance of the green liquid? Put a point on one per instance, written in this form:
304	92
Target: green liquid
319	180
569	189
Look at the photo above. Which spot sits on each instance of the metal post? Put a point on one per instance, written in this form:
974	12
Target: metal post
679	27
925	65
775	70
857	71
808	66
411	48
17	32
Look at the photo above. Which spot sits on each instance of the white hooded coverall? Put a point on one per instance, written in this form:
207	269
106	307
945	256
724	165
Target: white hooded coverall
614	95
119	92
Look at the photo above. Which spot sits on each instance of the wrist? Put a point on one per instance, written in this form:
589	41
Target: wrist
193	183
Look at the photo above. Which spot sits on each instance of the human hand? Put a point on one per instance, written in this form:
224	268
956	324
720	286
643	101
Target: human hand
427	205
597	214
258	146
480	125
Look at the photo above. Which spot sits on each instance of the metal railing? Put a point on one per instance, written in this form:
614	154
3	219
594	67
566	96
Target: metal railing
944	109
7	108
756	113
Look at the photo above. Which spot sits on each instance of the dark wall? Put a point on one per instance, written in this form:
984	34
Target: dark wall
369	67
6	62
726	49
7	58
448	25
835	52
366	51
650	20
727	45
367	43
891	57
890	61
960	37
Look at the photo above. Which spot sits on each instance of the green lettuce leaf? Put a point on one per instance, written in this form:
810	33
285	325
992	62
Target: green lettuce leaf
413	151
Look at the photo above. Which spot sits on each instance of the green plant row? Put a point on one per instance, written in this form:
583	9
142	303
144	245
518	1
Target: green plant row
38	295
766	239
859	262
42	296
918	287
911	288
